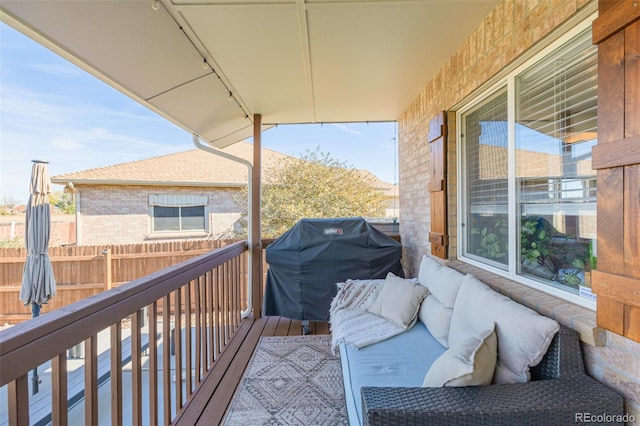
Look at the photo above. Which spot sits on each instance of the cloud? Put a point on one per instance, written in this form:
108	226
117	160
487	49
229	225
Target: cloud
58	70
347	128
66	144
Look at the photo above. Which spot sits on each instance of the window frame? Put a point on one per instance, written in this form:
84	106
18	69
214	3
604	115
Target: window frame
508	83
179	201
180	220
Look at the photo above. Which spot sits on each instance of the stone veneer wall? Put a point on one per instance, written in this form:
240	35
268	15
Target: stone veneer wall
120	214
508	33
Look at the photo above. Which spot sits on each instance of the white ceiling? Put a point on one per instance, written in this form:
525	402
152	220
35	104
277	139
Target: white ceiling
293	61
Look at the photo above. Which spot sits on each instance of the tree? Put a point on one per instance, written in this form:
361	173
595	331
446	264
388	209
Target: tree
314	186
62	201
7	205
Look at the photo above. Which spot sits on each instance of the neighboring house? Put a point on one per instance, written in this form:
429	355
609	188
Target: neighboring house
186	195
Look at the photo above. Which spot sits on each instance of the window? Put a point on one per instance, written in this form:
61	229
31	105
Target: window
177	213
487	195
178	218
529	193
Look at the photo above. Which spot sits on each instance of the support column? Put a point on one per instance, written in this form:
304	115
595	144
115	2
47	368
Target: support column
256	228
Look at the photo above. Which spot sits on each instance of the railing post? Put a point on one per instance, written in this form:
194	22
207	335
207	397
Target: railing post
107	268
255	244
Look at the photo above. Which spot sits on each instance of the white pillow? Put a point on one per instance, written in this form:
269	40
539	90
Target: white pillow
523	335
399	300
443	284
470	362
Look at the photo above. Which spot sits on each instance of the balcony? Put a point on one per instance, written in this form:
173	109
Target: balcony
139	320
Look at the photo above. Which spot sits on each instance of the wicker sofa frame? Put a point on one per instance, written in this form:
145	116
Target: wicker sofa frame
559	393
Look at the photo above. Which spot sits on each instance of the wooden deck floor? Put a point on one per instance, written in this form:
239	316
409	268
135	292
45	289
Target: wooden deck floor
211	401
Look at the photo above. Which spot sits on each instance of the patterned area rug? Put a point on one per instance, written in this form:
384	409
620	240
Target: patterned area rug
292	380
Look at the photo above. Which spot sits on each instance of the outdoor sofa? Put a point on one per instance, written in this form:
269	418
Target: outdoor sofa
467	356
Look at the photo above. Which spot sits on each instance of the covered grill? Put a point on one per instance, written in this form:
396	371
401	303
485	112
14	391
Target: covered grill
308	260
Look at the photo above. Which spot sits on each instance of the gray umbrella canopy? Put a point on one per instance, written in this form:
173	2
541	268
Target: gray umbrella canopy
38	283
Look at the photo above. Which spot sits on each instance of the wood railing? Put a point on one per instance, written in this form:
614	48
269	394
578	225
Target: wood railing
194	308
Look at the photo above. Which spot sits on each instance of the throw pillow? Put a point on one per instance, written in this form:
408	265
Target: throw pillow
436	318
443	284
523	335
399	300
470	362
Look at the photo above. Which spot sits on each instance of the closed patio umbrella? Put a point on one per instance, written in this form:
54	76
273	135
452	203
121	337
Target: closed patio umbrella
38	283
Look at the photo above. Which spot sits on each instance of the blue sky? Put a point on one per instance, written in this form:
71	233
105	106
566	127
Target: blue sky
52	110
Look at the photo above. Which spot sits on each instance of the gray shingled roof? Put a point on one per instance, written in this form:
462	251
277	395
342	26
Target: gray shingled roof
187	168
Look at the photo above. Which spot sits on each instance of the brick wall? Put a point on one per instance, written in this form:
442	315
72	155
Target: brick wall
508	33
120	214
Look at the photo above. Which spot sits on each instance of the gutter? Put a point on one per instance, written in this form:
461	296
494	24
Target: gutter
211	150
110	182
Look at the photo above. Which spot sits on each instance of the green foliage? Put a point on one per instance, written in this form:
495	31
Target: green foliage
572	277
12	243
492	235
64	202
314	186
535	242
6	206
544	251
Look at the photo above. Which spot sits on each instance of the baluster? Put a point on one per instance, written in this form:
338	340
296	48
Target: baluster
166	358
153	364
198	335
116	373
91	380
205	332
59	406
210	320
178	346
18	392
220	305
188	342
136	367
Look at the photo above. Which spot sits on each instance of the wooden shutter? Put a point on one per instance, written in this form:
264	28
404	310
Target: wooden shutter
617	159
437	139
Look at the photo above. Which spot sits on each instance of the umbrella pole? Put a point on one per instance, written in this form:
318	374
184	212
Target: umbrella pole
35	380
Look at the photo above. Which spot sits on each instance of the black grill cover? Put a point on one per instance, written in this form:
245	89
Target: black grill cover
308	260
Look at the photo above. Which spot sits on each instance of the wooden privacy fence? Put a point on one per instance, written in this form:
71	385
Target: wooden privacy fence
82	271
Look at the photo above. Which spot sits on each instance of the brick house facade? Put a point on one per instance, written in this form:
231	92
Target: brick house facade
120	214
513	32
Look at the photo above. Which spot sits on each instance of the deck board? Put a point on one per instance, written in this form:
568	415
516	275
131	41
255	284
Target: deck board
283	327
210	403
193	410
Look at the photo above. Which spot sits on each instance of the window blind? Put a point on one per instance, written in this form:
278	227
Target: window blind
556	126
486	142
178	200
